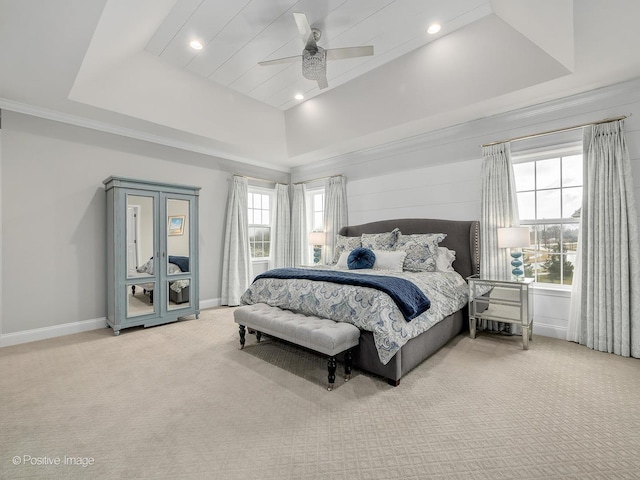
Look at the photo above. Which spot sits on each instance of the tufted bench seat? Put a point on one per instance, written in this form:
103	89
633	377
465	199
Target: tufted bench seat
315	333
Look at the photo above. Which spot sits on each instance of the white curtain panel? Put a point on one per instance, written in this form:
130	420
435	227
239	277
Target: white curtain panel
281	237
573	325
610	293
335	213
299	247
236	260
499	208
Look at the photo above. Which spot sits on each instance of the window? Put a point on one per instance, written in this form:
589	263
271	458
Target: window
315	220
316	210
549	189
259	224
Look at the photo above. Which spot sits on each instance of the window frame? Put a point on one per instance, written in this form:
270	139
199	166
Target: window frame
311	211
271	194
535	155
312	226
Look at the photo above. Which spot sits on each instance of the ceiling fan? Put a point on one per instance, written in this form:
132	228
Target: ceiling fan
314	58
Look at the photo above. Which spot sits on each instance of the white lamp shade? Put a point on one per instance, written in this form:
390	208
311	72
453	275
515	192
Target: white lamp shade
513	237
316	238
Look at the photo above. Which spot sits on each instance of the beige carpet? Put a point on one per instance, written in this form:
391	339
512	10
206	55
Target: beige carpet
182	401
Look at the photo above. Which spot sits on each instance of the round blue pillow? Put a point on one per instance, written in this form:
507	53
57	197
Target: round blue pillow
361	258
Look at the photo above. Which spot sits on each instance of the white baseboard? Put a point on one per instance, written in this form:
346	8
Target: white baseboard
36	334
26	336
212	302
546	330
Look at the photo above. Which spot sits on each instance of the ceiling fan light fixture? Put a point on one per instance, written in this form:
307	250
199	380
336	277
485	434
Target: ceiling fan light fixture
314	58
314	65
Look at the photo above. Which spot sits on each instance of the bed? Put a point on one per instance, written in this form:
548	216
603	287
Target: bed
390	346
178	289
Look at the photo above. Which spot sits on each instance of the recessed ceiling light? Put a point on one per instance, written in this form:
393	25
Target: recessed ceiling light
195	44
299	96
434	28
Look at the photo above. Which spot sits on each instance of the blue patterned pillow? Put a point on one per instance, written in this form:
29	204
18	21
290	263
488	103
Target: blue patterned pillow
380	241
361	258
344	244
422	251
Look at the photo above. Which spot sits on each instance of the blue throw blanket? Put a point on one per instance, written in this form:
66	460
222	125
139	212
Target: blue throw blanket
181	262
408	297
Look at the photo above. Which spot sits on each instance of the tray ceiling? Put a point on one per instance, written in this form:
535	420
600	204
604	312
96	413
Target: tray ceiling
236	35
125	66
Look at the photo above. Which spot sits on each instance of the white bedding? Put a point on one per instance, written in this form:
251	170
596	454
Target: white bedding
367	308
176	285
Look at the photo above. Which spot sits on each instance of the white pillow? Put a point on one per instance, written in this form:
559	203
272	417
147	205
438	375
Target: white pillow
342	260
444	260
389	260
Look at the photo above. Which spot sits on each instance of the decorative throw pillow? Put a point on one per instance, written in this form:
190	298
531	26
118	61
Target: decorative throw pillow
344	244
422	251
392	261
380	241
444	260
361	258
147	267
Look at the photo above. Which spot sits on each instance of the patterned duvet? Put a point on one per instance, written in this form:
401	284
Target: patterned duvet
366	308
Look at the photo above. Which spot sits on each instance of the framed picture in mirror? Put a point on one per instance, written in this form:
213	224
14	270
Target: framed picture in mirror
176	224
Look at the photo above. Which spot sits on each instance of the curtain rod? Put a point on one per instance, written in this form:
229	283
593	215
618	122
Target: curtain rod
319	178
558	130
256	178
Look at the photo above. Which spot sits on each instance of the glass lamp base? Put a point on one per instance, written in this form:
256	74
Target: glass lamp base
516	263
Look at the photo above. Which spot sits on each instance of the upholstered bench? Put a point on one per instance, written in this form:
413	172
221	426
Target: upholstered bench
315	333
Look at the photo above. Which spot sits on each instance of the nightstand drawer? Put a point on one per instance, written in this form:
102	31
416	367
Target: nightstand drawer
498	312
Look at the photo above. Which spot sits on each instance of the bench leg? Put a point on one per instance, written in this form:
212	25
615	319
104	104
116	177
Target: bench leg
241	330
347	365
258	336
331	364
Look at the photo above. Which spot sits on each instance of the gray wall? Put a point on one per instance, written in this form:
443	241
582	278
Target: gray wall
438	175
53	216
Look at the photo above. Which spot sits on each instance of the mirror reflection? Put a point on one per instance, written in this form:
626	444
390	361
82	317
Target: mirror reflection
139	233
177	236
140	299
178	294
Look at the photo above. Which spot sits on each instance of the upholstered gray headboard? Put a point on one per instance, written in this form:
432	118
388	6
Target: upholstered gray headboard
462	236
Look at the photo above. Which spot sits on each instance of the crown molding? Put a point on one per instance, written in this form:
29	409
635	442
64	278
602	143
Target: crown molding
114	129
481	130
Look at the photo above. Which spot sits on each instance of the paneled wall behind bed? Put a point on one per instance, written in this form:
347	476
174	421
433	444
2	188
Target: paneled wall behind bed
437	175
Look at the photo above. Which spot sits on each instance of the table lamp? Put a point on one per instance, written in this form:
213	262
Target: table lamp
317	240
514	237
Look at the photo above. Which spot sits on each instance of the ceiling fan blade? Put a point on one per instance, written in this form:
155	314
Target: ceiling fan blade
281	60
349	52
305	31
322	83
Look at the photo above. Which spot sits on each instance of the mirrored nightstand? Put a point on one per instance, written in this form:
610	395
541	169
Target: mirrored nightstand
501	301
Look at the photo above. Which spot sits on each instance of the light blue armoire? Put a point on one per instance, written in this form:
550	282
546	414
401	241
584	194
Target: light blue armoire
152	252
